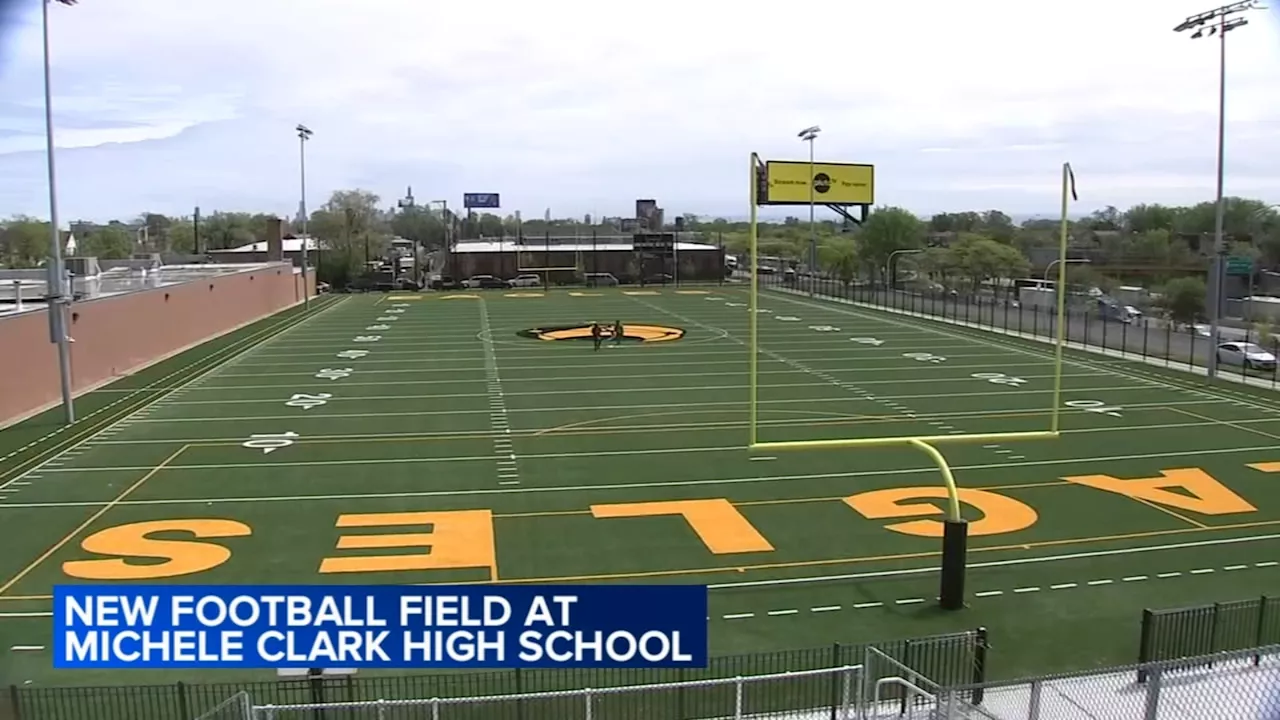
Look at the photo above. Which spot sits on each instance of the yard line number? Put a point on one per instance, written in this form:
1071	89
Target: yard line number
999	378
1094	406
924	357
270	442
366	338
334	373
788	318
824	328
352	354
867	341
378	327
388	318
306	402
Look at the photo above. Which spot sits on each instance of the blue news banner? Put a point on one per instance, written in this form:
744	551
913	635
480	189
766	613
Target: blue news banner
380	626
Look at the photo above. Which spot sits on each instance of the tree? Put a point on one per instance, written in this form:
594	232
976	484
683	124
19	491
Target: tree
108	242
888	229
840	258
24	242
1184	299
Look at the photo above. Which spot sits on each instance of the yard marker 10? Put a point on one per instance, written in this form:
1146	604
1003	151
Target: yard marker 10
270	442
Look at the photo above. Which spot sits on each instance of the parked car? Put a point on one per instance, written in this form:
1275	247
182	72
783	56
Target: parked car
484	282
1250	356
525	281
658	279
444	282
601	280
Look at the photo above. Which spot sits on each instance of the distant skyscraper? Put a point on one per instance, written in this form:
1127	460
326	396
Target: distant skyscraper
547	215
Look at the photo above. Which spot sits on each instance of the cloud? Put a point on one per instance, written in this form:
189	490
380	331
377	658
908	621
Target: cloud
583	106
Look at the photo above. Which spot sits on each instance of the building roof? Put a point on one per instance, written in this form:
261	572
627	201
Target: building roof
32	285
290	245
612	245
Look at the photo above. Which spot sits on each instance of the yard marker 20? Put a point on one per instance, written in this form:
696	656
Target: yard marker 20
334	373
999	378
1094	406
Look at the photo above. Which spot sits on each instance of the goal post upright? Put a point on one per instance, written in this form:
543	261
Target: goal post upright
951	594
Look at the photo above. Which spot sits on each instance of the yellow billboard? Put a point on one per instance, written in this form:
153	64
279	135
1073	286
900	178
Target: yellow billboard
833	183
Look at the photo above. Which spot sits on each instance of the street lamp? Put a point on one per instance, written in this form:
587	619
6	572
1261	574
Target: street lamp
58	299
1068	261
304	134
808	135
1218	22
893	269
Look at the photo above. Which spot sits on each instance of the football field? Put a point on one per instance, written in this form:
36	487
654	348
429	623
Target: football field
481	437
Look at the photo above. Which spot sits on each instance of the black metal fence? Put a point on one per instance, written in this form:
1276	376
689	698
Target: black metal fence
1141	338
951	659
1206	629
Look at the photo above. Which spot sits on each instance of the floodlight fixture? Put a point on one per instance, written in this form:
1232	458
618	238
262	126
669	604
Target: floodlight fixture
809	133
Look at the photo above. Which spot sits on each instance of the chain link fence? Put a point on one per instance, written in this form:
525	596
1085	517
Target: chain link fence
809	694
1156	341
1237	685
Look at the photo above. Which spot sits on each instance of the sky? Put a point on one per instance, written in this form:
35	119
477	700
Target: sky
582	107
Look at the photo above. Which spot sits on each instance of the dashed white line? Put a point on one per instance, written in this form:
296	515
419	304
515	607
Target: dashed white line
1236	567
1168	574
1202	571
1064	586
825	608
783	612
1134	578
1100	582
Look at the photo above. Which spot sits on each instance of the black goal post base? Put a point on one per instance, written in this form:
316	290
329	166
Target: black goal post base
955	547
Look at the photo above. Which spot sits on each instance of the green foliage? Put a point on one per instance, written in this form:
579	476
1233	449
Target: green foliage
24	242
1184	299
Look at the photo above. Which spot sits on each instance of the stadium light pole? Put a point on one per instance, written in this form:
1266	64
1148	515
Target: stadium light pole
808	135
1219	21
304	134
56	286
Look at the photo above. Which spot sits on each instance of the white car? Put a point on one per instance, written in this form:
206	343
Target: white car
526	281
1248	355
